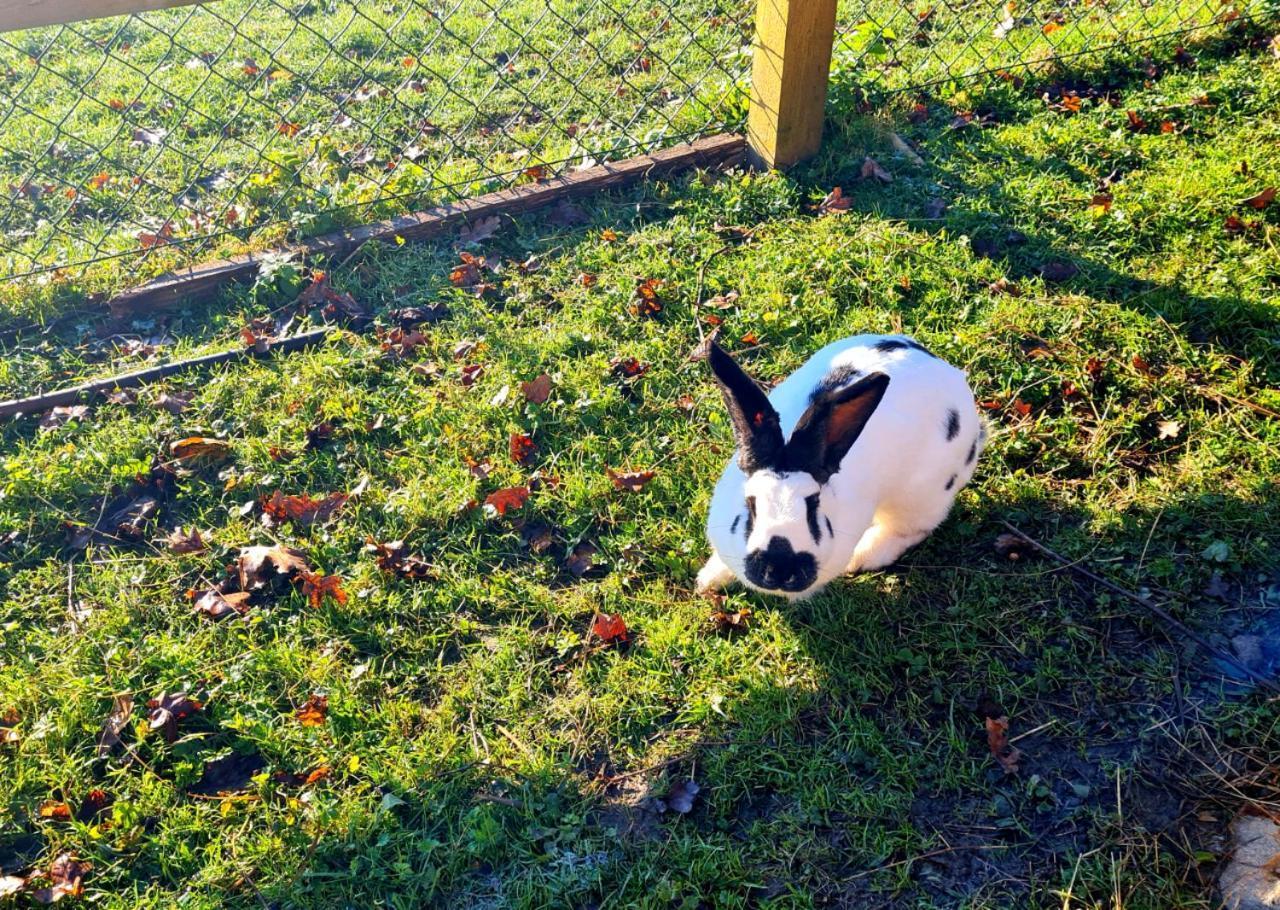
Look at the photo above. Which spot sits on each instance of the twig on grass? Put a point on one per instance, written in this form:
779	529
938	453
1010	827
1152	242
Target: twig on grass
1159	612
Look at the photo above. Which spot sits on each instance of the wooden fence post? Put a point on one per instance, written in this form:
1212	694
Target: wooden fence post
789	80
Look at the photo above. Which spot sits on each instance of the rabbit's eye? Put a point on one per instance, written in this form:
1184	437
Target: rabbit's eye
751	513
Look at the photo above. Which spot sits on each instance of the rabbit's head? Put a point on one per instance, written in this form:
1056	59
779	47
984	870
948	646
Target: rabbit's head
783	530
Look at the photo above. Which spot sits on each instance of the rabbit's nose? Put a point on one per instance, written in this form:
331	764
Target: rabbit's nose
779	567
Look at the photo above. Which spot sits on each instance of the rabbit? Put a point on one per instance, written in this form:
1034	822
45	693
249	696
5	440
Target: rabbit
853	459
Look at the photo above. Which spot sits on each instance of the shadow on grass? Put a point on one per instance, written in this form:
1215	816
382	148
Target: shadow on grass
877	789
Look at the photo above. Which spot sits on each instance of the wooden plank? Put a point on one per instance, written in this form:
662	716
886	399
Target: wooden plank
20	14
87	390
200	281
789	74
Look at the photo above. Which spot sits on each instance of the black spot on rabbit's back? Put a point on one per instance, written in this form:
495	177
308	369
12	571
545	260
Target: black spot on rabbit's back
950	483
836	379
733	528
973	453
897	344
953	424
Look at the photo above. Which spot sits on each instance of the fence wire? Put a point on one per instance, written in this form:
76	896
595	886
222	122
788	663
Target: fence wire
134	144
159	138
891	46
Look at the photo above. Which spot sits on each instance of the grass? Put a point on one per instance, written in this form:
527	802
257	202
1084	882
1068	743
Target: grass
483	750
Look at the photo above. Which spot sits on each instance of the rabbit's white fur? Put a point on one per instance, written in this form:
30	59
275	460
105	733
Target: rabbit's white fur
896	483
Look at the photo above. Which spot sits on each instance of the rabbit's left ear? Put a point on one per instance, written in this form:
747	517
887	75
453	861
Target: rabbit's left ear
756	426
831	425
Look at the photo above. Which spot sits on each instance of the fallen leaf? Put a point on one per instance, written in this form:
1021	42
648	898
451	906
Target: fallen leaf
723	621
98	181
217	605
1136	123
94	803
1100	204
1094	367
509	498
175	404
230	774
1020	407
206	449
400	342
1005	286
582	559
117	720
317	587
537	391
186	542
628	367
54	810
392	558
302	509
469	273
647	302
631	481
522	448
1261	200
538	536
871	169
609	627
480	230
259	566
470	373
66	877
723	301
61	416
998	742
1168	429
314	712
834	201
289	779
168	710
1141	365
1035	347
608	235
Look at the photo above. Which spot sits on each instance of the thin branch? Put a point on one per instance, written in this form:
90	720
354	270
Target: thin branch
1156	610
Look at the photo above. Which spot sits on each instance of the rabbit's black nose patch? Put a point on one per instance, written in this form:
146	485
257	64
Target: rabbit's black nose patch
780	568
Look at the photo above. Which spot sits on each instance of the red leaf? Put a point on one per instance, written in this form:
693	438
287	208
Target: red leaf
54	810
509	498
302	509
317	587
1263	199
166	711
609	627
523	449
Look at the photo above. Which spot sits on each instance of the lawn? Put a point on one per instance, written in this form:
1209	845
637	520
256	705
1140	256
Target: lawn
445	727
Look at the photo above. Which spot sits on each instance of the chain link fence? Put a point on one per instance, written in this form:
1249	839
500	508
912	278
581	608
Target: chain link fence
891	46
136	143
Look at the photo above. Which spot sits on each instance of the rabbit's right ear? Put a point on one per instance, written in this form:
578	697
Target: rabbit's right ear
756	427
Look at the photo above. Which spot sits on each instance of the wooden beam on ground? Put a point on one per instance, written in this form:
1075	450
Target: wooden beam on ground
20	14
722	150
789	74
86	390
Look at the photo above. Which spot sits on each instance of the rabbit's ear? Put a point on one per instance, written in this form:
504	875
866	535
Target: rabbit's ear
756	428
833	422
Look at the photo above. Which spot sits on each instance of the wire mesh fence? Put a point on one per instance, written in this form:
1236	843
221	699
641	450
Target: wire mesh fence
139	142
891	46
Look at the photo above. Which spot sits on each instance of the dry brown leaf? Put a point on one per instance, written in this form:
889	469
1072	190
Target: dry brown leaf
537	391
66	877
510	498
181	541
205	449
871	169
314	712
998	742
631	481
117	720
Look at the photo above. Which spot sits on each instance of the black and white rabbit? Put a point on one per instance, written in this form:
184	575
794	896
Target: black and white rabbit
853	458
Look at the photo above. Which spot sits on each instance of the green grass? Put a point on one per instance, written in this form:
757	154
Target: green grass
485	753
